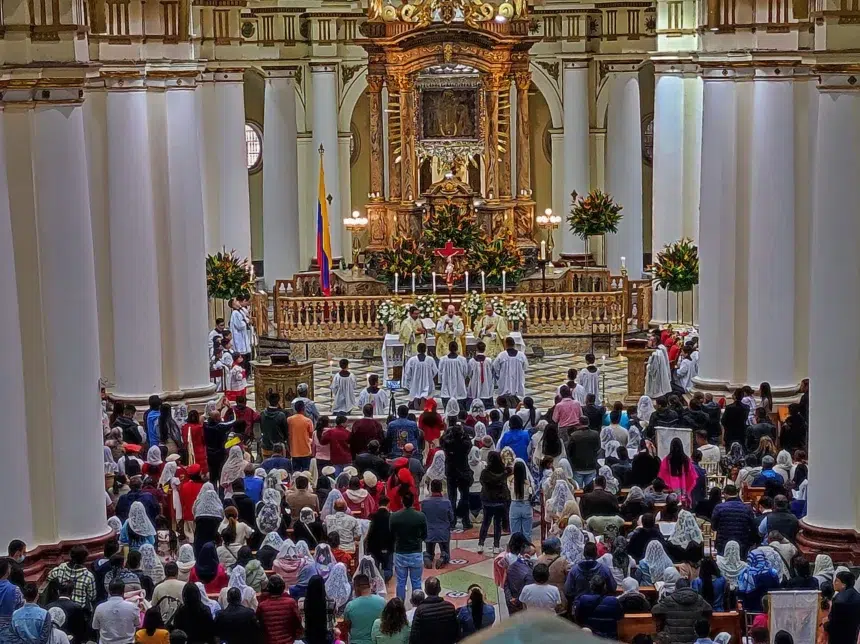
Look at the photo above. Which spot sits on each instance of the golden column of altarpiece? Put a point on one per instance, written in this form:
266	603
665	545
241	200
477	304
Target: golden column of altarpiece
448	66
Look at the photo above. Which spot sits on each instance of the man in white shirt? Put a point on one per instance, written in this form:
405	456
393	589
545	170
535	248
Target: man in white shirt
510	371
116	620
541	595
453	370
168	594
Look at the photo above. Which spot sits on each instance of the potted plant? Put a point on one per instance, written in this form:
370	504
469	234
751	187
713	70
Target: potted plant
516	313
676	268
227	277
499	256
473	305
594	214
406	256
429	306
390	314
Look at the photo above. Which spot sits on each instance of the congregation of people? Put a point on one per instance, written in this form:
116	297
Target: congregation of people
288	524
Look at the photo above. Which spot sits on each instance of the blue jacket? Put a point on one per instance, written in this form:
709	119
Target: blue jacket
578	580
440	516
719	592
517	440
733	520
600	613
467	624
768	476
152	427
254	488
400	432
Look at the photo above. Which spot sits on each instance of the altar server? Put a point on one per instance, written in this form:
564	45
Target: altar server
374	395
510	370
589	377
658	381
482	382
343	389
453	370
492	329
450	328
418	375
412	332
240	329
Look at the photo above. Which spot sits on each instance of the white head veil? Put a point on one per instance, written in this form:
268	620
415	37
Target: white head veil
561	494
367	566
234	466
185	559
324	559
273	540
337	586
110	464
214	607
139	521
153	456
657	560
611	482
238	580
568	469
452	408
477	408
151	564
58	618
115	524
208	504
303	551
287	550
328	508
480	430
436	471
612	449
730	563
572	544
269	517
686	530
168	473
645	408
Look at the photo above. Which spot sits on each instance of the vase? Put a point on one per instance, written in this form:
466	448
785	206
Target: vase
516	324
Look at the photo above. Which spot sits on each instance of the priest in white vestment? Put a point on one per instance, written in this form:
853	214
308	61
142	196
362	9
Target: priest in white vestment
589	377
343	387
450	328
418	377
412	332
492	329
658	379
241	330
482	382
374	395
453	370
510	370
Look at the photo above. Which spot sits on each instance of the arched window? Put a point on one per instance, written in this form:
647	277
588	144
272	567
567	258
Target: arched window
254	146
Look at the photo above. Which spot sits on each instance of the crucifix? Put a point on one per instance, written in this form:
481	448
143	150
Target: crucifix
449	252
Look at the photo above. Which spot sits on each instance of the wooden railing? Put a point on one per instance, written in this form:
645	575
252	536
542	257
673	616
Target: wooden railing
353	318
260	313
640	302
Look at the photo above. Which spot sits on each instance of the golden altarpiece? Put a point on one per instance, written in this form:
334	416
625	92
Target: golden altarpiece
448	66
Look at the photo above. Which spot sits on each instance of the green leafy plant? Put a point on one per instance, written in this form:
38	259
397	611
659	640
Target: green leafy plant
497	256
450	223
406	255
594	214
677	266
227	276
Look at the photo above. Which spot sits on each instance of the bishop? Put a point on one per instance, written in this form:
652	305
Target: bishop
450	328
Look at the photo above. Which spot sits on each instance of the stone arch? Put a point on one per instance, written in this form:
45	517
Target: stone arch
550	92
352	92
602	102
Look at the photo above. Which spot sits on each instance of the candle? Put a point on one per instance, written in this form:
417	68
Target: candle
543	250
434	282
396	276
413	282
503	281
483	284
467	282
623	262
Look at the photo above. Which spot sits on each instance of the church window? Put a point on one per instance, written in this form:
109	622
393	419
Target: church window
254	146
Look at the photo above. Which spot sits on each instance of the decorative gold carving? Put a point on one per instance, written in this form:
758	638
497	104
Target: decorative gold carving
551	68
408	168
394	146
348	72
378	229
377	158
524	181
491	151
283	379
421	12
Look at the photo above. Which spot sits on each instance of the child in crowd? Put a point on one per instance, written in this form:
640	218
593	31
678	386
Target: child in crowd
237	383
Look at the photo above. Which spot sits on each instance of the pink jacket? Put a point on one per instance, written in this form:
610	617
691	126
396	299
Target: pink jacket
683	483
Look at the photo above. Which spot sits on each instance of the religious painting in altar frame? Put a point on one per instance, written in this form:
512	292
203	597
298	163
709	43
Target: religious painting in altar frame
449	113
796	612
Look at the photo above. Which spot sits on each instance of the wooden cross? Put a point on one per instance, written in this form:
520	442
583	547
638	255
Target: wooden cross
449	252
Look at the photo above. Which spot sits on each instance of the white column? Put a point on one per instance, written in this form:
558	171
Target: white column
136	296
624	169
770	286
14	466
718	223
67	277
667	212
208	133
185	223
577	173
324	103
234	202
280	178
834	368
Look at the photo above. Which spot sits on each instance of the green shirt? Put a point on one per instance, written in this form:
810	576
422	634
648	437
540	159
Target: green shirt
398	638
361	612
409	529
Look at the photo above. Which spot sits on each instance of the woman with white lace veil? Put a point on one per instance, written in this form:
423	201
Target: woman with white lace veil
269	549
731	564
208	513
337	587
553	507
233	468
328	507
238	579
213	606
269	512
115	524
367	566
645	408
169	483
288	563
324	560
137	529
572	544
436	472
185	561
150	564
654	563
612	484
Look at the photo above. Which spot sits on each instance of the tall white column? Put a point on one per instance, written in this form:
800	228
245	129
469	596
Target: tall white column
208	132
770	303
136	296
834	367
234	202
280	178
577	166
718	224
185	223
624	168
14	468
325	102
67	275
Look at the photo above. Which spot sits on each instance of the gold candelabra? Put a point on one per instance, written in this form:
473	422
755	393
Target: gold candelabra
355	225
548	222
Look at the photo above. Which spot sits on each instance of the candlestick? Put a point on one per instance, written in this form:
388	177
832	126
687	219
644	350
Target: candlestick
396	276
503	281
483	283
623	262
413	282
543	250
467	282
434	282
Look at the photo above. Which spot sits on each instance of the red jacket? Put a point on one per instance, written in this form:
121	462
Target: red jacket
247	414
216	585
279	618
188	491
198	444
338	438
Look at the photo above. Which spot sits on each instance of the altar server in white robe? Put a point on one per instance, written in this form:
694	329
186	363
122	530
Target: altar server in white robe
685	372
589	377
418	376
374	395
482	382
343	388
510	370
240	329
658	379
453	370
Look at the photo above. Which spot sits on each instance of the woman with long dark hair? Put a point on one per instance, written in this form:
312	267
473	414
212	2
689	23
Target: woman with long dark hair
551	444
194	617
321	452
169	433
676	469
528	413
494	495
318	613
152	631
766	397
711	584
392	627
520	489
477	614
193	441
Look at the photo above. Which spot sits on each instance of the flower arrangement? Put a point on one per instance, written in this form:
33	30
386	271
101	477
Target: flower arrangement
429	306
677	266
594	214
390	313
499	256
227	276
498	304
516	311
473	305
450	223
405	256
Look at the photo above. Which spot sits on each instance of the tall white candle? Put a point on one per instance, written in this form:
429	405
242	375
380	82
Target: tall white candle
467	281
396	276
434	282
483	284
543	250
623	262
413	282
503	281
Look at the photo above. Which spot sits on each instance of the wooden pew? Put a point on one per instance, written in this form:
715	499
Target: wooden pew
636	623
751	494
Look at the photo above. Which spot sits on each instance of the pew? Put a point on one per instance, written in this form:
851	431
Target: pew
636	623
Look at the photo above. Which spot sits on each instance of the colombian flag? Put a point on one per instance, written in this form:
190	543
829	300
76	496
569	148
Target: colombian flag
323	239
